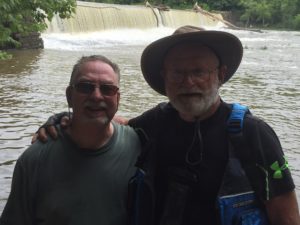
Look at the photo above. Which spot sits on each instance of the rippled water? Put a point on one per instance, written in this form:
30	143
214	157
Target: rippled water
32	86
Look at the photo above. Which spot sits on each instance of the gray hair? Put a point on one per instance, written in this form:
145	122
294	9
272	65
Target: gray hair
85	59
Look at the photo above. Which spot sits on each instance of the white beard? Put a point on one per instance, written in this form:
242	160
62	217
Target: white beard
196	106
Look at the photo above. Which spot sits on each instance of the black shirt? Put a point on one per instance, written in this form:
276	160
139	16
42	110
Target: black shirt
196	153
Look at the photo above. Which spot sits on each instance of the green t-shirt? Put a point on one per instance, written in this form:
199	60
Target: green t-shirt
58	183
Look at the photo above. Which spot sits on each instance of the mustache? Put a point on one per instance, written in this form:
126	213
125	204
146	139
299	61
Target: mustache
101	104
190	91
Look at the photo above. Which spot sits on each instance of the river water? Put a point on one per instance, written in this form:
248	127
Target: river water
32	86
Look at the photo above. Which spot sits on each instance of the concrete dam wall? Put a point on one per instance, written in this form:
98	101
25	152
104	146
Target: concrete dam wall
92	17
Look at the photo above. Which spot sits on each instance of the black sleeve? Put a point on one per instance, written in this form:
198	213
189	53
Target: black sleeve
148	120
56	118
271	174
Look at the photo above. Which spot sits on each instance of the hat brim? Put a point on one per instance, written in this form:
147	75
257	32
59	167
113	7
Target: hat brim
228	48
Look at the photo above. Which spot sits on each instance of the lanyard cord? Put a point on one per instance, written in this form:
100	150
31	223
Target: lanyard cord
197	133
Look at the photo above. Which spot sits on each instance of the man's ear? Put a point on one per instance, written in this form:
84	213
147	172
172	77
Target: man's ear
221	74
69	96
118	99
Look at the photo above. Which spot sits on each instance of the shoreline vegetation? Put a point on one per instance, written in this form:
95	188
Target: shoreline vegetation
21	18
266	14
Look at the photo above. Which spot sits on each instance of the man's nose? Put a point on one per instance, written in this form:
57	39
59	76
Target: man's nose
188	79
97	93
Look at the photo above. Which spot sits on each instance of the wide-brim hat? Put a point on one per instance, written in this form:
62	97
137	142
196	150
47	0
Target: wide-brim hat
226	46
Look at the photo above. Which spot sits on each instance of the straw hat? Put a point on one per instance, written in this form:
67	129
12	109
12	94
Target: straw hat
227	47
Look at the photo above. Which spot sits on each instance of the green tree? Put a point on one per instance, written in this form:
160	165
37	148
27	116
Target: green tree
259	12
221	4
25	16
296	23
289	9
277	13
263	13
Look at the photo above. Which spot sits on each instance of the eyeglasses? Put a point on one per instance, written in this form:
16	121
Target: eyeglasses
89	88
177	76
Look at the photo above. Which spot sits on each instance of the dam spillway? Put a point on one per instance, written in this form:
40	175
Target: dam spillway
93	17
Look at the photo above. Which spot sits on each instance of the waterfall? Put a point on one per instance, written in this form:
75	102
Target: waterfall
92	17
177	18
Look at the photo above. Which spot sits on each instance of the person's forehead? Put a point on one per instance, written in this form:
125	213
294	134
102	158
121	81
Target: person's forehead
96	67
96	71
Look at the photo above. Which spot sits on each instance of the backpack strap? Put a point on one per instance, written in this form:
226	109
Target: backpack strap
145	141
237	142
236	119
240	146
141	201
236	182
141	191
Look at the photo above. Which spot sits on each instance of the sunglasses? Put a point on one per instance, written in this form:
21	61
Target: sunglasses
89	88
196	75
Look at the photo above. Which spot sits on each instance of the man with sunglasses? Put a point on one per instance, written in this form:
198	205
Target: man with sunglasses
190	171
82	177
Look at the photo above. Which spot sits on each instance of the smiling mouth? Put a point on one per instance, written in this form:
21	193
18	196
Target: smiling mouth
95	108
192	94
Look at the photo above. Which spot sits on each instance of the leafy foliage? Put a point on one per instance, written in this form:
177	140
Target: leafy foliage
297	22
5	55
280	13
25	16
